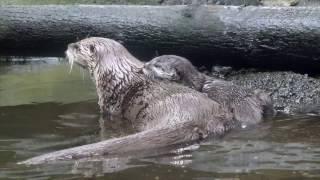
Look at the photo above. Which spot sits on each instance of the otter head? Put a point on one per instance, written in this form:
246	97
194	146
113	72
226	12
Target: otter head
83	53
113	68
101	54
174	68
164	68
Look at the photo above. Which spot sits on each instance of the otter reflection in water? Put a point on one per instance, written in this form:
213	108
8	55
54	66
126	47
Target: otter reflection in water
247	106
162	114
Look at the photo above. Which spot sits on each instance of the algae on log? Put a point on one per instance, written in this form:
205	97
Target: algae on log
265	37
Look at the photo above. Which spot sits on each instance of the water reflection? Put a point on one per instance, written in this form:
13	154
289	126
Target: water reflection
43	81
43	109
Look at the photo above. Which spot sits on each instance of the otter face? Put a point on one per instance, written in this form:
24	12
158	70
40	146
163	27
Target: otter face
101	53
162	68
174	68
83	53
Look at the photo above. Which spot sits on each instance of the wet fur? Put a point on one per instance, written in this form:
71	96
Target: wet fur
248	106
162	114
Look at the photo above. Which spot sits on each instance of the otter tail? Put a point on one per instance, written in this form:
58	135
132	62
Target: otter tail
187	132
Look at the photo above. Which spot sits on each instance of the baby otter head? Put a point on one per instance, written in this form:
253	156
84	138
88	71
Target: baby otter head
174	68
167	67
100	53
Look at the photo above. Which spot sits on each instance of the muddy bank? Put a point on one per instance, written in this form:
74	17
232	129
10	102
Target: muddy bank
291	92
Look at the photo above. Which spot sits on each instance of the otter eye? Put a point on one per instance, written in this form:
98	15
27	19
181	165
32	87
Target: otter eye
92	48
76	46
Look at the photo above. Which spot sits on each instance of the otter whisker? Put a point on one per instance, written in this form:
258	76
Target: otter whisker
71	61
71	66
82	73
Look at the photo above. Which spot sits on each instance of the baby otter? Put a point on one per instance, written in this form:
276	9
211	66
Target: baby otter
248	106
162	114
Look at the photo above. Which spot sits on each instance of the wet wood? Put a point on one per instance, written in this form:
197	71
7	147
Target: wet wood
265	37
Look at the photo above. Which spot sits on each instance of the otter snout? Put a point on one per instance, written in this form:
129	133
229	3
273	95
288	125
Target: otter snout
160	72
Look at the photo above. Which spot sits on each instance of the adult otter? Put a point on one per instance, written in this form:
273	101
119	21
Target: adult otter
248	106
162	114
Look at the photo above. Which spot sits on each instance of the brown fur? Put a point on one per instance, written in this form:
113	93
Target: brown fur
247	106
162	114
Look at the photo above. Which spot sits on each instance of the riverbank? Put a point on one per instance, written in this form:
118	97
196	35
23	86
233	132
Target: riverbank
291	92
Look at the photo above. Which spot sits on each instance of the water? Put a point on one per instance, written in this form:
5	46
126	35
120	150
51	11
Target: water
43	108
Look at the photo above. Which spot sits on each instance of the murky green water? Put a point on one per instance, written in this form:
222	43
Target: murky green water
44	108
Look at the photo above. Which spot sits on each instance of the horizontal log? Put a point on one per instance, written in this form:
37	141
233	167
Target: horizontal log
65	2
166	2
263	37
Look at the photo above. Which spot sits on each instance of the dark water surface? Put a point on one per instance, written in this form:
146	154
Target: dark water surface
43	108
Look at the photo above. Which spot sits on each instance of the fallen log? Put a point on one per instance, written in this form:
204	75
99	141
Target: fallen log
164	2
263	37
65	2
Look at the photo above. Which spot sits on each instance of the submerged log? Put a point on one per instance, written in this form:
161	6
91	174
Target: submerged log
265	37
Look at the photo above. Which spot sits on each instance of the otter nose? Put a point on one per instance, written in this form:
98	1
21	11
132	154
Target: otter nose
73	46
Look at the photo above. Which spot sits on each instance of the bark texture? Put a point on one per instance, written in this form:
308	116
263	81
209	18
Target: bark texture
263	37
